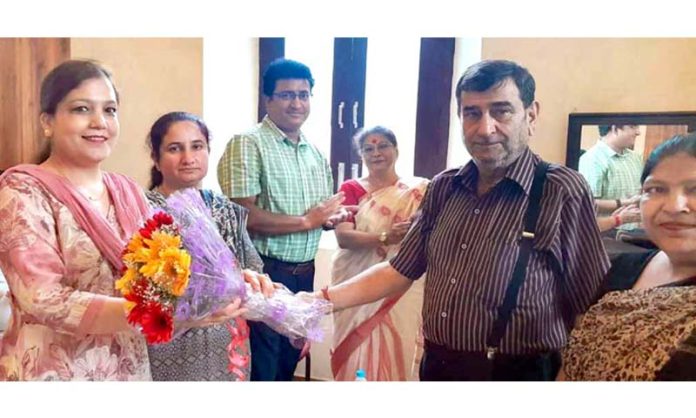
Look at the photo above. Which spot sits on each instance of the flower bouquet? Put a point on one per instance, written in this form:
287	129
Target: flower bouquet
179	269
156	273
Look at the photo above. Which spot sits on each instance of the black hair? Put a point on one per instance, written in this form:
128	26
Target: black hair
282	69
487	74
159	130
677	144
604	129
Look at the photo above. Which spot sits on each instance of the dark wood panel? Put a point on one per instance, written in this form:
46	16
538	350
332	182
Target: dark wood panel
348	103
433	108
269	50
23	64
657	134
10	129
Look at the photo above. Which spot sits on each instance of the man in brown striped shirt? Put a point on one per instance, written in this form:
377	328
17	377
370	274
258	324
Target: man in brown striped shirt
468	238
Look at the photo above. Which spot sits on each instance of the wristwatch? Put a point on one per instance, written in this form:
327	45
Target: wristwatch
383	237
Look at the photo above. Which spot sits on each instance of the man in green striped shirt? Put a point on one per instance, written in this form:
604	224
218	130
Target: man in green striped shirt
613	170
286	184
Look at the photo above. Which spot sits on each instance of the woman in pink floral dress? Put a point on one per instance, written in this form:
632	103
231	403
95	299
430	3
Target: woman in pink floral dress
63	224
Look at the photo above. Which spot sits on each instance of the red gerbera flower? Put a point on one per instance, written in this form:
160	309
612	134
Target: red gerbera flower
135	315
150	226
157	323
163	218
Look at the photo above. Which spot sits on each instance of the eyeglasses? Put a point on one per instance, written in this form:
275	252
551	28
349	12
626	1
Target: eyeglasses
288	96
369	149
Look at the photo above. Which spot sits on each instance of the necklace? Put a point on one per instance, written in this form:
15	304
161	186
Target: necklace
89	197
94	199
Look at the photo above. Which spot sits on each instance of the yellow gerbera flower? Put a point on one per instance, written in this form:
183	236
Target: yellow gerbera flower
135	243
124	283
177	265
170	270
161	241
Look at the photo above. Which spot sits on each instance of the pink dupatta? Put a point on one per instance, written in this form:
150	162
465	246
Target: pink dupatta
129	204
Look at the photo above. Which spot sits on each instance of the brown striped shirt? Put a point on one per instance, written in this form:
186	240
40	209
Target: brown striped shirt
470	252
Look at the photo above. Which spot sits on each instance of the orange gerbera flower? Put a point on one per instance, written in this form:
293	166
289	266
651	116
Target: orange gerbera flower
124	284
161	241
176	268
170	270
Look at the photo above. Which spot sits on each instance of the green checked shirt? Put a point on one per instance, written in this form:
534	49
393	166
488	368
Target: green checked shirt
288	178
611	175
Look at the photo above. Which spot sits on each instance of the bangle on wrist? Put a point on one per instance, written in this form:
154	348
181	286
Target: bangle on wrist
618	203
617	221
383	238
325	293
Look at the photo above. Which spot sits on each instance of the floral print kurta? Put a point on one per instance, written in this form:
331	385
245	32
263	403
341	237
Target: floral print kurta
56	277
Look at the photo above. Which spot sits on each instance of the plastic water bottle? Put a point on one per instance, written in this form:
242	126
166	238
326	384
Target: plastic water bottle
360	376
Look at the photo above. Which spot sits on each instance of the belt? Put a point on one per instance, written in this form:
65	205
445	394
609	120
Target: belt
442	363
288	266
442	351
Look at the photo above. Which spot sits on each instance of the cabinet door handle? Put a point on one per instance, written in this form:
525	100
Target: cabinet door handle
340	114
355	115
341	175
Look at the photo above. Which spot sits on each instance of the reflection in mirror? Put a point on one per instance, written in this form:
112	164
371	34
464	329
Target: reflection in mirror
609	150
655	127
649	137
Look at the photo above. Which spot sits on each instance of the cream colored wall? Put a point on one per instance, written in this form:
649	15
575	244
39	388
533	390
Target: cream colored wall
600	75
153	76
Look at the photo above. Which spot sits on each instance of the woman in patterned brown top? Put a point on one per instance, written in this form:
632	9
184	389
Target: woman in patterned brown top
644	325
179	144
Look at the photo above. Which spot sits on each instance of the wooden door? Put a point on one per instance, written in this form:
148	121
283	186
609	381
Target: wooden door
348	106
23	64
657	134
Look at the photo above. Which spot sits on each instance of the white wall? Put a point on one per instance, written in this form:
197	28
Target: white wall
230	95
391	92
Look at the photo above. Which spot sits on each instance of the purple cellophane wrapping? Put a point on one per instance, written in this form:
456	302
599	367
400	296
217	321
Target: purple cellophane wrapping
217	279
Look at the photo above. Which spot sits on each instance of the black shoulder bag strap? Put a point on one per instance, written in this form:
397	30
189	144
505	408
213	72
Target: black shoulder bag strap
519	273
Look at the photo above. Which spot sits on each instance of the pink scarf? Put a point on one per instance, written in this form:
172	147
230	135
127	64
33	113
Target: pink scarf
128	199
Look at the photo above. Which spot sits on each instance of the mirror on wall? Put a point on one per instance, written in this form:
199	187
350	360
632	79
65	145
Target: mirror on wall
614	174
653	128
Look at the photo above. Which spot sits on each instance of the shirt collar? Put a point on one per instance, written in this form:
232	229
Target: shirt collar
606	149
521	172
279	135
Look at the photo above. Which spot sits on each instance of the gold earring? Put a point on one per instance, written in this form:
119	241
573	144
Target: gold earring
47	133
